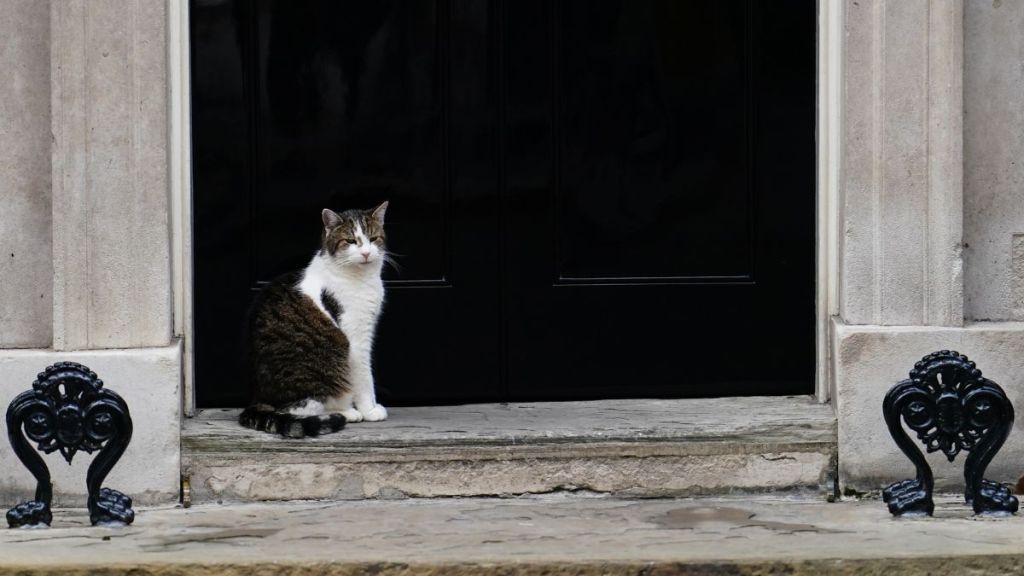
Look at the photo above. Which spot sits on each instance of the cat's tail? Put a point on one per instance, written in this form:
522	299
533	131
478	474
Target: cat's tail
265	418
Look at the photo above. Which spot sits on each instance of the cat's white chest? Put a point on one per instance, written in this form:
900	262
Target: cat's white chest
359	295
360	306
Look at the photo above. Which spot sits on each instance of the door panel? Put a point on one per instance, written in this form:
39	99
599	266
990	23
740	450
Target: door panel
350	109
651	252
345	105
590	198
651	125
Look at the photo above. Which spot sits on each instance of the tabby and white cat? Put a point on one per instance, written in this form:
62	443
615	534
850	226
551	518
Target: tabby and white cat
309	334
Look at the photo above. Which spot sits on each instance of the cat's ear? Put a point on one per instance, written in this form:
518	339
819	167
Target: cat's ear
330	218
378	212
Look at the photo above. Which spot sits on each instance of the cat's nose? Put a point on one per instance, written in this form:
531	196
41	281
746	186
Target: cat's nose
366	256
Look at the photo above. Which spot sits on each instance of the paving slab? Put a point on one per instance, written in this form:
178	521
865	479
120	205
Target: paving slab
551	534
624	447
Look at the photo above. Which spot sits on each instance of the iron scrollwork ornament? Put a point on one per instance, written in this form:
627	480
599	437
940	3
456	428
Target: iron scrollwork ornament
952	409
68	410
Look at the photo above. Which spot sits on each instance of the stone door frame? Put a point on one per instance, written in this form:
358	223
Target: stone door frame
180	168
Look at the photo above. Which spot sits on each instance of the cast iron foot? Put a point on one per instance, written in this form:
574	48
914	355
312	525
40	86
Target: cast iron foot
995	499
111	507
909	498
31	513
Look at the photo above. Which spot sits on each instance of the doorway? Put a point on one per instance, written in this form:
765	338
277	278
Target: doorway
590	199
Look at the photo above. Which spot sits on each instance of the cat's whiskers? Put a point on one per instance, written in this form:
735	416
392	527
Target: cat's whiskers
389	259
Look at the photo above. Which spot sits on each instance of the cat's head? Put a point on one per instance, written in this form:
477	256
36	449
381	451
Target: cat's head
354	237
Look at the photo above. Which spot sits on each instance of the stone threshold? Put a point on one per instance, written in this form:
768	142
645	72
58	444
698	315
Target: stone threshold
648	448
536	535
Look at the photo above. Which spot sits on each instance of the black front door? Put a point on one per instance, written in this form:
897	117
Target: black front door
589	199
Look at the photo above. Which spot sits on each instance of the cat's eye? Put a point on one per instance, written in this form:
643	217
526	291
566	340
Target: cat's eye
376	239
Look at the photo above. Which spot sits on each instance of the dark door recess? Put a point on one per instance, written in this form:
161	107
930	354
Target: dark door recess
590	198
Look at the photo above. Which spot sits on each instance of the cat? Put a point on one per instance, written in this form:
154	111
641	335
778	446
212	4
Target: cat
309	334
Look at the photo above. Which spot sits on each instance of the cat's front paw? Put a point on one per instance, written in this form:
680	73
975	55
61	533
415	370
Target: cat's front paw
375	414
352	415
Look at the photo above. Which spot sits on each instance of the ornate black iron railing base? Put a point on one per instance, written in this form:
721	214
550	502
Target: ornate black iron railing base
952	408
68	410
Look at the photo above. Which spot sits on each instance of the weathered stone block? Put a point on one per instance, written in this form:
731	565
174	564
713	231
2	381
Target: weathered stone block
635	447
869	360
149	380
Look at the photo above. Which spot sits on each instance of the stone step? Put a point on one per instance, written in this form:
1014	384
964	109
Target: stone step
648	448
536	535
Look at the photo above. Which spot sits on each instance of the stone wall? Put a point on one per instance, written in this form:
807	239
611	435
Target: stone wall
901	174
112	277
84	224
994	160
26	270
86	260
933	131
